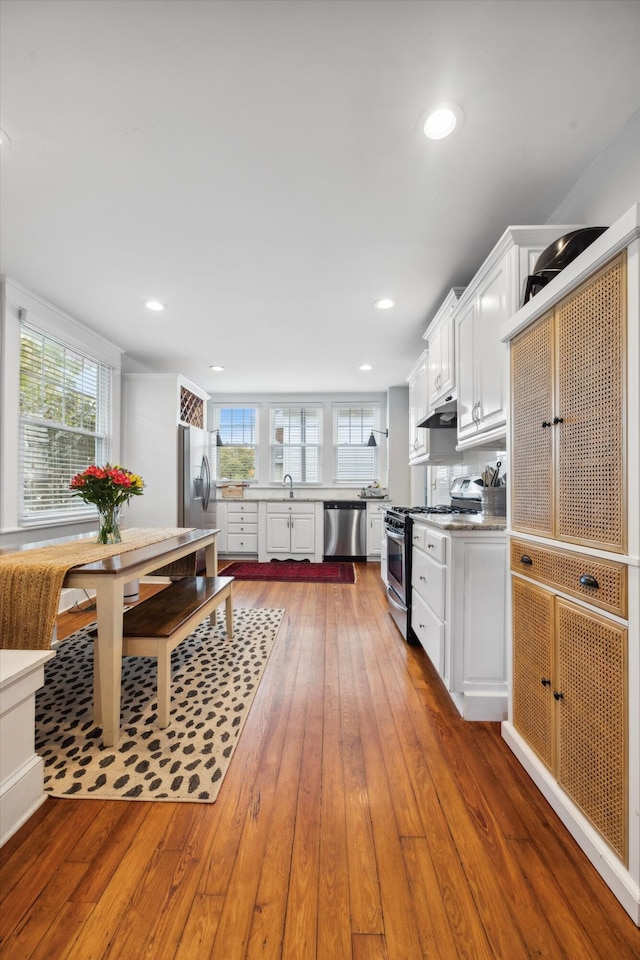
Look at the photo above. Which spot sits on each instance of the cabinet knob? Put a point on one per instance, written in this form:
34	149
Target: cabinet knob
422	578
586	580
545	682
526	559
431	546
558	419
546	423
558	696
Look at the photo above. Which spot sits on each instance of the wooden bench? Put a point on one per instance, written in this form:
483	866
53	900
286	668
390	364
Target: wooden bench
156	626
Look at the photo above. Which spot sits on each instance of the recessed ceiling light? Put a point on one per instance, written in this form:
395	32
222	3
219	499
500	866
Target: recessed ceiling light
216	368
439	122
155	305
365	366
384	304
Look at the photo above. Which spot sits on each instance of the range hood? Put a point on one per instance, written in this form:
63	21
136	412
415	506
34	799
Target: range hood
444	417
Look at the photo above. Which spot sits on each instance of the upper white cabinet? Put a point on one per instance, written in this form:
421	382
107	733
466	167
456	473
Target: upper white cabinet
487	303
418	398
440	337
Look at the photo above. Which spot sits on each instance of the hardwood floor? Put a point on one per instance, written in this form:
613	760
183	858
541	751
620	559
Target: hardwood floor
361	819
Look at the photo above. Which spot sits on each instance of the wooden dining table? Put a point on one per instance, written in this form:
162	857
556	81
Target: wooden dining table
107	577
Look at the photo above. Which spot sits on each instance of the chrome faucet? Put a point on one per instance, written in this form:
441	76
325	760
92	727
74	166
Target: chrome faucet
288	477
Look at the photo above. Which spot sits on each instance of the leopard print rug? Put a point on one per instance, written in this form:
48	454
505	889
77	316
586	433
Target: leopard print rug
213	685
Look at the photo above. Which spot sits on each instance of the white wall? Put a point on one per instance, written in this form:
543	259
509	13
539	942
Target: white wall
609	186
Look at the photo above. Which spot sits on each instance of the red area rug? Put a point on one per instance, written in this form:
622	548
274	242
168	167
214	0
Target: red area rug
298	571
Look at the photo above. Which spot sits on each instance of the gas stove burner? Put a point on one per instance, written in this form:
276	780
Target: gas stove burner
443	508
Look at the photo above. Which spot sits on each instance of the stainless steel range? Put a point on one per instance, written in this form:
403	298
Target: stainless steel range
398	525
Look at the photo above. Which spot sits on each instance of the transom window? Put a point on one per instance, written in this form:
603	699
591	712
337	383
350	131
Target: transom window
237	457
354	460
65	425
295	443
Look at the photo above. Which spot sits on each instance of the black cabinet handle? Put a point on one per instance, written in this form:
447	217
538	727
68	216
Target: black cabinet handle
545	682
558	420
450	397
586	580
526	559
546	423
558	696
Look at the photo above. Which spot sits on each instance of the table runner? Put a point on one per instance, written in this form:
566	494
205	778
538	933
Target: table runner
31	581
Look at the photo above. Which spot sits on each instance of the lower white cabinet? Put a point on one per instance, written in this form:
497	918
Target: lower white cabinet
458	604
375	527
238	524
290	529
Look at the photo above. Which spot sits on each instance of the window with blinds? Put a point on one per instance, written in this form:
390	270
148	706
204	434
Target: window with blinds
65	425
354	461
237	457
295	443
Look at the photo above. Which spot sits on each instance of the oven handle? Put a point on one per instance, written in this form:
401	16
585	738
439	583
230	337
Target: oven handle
394	536
393	602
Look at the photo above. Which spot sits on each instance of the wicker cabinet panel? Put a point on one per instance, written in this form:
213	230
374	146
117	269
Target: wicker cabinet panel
563	569
531	443
592	719
590	349
532	660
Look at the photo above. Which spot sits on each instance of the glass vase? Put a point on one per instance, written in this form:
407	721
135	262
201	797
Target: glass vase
109	528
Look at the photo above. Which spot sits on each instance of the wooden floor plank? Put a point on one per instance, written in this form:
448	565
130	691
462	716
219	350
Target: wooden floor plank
360	818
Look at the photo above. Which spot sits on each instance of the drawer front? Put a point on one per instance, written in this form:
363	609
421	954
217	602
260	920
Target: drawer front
242	509
242	526
429	631
283	506
433	543
606	586
242	543
428	578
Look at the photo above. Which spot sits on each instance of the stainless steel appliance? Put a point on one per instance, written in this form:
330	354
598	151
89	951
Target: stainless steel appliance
196	503
398	542
345	530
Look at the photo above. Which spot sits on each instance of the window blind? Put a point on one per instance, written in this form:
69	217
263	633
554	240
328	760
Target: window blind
354	461
295	443
65	425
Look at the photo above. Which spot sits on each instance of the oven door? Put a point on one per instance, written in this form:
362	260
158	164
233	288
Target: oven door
397	564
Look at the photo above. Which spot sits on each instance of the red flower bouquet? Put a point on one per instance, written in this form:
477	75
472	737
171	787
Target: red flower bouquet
108	488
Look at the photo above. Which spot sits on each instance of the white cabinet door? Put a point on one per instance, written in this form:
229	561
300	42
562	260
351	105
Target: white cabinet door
466	371
303	533
418	397
278	533
490	352
375	523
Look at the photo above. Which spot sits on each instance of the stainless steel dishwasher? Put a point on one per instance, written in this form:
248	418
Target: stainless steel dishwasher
345	530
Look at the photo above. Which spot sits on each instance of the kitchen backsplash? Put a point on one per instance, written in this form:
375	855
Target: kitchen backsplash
439	478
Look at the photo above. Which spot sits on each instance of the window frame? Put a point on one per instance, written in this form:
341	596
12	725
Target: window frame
218	429
310	411
21	304
366	426
68	508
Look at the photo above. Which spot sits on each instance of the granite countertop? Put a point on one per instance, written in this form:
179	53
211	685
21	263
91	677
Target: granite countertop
461	522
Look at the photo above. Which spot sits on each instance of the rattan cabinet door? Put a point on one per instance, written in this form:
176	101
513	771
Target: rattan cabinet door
591	718
533	704
531	429
588	419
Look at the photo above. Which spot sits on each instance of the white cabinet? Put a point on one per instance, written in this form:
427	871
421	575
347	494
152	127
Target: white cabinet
480	357
440	336
289	531
375	527
418	396
458	614
242	527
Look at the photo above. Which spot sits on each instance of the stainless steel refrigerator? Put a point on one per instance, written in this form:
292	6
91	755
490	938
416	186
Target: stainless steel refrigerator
196	485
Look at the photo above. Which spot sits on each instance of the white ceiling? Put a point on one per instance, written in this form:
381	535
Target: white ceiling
255	165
